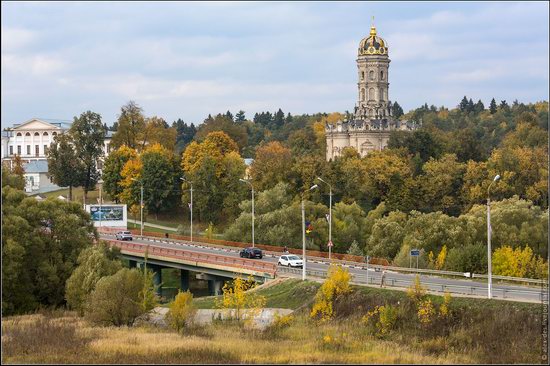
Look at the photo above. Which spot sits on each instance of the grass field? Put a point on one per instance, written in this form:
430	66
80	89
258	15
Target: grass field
479	331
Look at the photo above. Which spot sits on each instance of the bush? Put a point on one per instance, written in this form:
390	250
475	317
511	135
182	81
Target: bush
336	284
182	311
94	263
416	292
426	312
236	297
383	317
116	299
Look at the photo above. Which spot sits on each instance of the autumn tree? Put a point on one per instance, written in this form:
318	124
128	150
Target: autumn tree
112	170
157	131
236	131
272	165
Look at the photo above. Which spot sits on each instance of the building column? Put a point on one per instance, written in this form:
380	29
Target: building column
184	280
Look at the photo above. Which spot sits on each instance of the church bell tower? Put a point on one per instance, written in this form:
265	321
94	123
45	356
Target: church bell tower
372	65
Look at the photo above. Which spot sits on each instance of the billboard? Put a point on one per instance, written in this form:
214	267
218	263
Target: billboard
108	215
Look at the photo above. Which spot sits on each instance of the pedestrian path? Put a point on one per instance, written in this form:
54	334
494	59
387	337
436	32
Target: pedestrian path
153	225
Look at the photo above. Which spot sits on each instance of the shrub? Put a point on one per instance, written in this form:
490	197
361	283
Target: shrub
444	310
426	312
94	263
383	317
336	284
182	311
236	297
116	299
416	292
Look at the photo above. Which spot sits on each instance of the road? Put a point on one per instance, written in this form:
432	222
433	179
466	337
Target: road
318	267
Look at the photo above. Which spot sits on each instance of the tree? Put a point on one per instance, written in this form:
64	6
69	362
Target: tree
387	235
17	167
348	223
64	167
463	106
41	241
182	311
116	299
157	131
112	170
468	258
160	177
10	179
518	262
237	132
493	106
272	165
94	263
336	285
240	116
235	297
130	126
88	134
397	111
479	107
355	249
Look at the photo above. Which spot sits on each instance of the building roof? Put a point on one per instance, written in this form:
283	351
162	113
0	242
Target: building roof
36	166
248	161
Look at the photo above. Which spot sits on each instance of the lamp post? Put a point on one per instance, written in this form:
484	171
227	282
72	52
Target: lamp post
100	183
252	187
489	269
140	204
191	206
329	219
304	233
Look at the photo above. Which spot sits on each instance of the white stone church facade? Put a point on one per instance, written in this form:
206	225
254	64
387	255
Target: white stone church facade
369	129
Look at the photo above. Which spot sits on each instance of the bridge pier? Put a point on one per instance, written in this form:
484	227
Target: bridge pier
157	277
132	264
184	280
215	287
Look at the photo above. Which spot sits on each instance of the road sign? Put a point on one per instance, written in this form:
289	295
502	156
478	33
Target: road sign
467	274
415	252
330	244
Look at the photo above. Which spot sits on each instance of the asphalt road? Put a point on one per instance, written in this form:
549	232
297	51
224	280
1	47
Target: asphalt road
318	267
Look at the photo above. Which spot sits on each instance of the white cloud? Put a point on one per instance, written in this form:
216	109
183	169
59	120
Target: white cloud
37	65
16	38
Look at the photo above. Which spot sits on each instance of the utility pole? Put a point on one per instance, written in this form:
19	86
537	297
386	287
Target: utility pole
304	234
252	187
190	205
141	208
489	263
329	219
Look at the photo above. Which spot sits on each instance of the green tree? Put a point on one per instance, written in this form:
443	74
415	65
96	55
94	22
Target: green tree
348	225
468	258
88	134
397	111
10	179
65	169
116	299
93	264
237	132
493	106
387	235
271	166
182	311
130	127
41	242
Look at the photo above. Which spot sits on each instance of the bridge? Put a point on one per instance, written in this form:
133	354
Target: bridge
212	267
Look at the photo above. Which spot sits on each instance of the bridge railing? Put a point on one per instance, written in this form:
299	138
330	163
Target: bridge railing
504	293
198	257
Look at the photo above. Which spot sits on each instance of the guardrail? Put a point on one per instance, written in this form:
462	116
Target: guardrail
363	265
470	290
198	257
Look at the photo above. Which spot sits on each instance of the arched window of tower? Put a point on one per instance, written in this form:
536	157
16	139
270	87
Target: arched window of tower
371	93
362	75
382	94
371	75
363	94
381	74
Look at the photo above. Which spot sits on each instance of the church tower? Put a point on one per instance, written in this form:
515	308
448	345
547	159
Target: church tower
372	65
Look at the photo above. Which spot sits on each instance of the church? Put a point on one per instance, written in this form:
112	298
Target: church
372	120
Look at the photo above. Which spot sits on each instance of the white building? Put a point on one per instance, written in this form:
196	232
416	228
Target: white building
31	140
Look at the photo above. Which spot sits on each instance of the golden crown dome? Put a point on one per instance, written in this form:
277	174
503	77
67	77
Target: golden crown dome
373	44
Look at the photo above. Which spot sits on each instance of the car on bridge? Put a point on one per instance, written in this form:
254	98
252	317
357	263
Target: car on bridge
291	261
251	253
124	235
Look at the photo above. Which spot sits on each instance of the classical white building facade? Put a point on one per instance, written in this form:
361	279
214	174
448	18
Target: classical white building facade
369	128
31	140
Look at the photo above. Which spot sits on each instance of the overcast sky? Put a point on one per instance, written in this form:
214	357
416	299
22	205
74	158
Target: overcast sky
186	60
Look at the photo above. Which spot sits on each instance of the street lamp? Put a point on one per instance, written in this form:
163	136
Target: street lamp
190	206
252	187
489	278
304	233
141	203
329	219
100	183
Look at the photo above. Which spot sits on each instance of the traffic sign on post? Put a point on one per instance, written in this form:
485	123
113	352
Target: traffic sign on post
415	252
330	244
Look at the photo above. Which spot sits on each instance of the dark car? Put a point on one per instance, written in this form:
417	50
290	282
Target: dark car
251	253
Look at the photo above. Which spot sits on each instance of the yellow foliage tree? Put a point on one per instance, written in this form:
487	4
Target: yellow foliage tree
272	164
182	311
131	188
440	261
518	262
336	284
236	297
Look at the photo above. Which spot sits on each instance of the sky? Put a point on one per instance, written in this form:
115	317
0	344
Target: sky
190	59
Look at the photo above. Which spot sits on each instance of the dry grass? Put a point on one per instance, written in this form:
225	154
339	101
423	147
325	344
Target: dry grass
68	339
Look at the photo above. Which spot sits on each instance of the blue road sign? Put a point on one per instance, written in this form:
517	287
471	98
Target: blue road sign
415	252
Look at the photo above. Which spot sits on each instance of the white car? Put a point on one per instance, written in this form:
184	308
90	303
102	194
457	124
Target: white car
124	235
291	261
